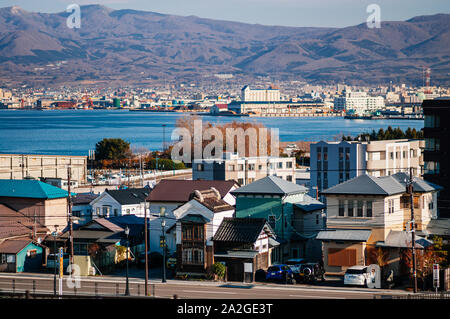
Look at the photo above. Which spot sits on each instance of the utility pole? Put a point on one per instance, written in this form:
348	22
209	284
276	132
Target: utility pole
413	228
146	248
69	173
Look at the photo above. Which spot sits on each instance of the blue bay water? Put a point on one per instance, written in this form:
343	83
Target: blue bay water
74	132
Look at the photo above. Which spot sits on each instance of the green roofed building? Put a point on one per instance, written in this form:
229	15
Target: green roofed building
39	201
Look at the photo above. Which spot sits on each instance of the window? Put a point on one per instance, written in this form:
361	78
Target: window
289	178
369	208
391	206
240	167
199	167
391	155
347	154
2	258
11	259
359	211
116	212
288	164
241	181
231	167
319	153
325	153
193	256
341	177
347	176
341	208
350	208
97	211
251	167
317	219
341	153
280	165
272	221
105	211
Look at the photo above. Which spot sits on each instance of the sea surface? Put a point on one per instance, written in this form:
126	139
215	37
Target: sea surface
75	132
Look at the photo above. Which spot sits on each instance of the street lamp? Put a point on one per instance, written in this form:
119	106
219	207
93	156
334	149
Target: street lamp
162	213
55	255
127	289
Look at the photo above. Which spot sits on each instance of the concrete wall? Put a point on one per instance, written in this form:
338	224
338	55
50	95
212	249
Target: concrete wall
18	166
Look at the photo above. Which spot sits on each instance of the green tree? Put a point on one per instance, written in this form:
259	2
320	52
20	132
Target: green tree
113	149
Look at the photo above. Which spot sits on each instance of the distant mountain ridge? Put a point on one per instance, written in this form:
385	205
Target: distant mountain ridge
130	45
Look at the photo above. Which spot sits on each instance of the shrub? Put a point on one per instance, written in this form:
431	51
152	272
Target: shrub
219	270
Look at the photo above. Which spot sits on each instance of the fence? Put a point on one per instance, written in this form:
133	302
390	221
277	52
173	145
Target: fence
25	288
430	295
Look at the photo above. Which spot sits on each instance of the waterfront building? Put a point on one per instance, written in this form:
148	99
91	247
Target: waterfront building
260	95
243	170
335	162
278	108
437	149
358	103
20	166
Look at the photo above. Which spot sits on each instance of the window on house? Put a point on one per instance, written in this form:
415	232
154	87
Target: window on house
289	178
350	208
251	167
319	153
116	212
231	168
2	258
280	165
97	211
11	258
341	208
240	167
369	208
241	181
359	211
288	164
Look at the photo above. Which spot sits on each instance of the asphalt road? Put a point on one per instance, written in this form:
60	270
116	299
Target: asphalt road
183	289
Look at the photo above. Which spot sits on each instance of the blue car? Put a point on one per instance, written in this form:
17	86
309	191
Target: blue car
281	273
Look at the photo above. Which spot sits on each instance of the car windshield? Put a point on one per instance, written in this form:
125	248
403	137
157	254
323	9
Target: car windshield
355	271
273	268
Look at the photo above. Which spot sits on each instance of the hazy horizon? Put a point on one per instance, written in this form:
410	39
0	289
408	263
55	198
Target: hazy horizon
294	13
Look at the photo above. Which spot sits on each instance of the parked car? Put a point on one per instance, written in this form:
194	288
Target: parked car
281	273
155	259
51	261
312	272
295	264
172	262
356	275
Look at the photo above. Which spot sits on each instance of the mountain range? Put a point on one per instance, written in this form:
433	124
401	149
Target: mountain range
132	46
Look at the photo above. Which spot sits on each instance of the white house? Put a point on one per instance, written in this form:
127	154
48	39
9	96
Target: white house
113	203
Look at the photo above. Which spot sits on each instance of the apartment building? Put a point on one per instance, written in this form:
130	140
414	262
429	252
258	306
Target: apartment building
244	170
437	151
335	162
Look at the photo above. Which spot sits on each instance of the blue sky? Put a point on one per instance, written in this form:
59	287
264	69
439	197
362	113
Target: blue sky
303	13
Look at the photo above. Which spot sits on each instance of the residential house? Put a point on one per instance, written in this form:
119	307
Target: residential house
81	207
368	212
113	203
274	199
173	193
196	223
94	244
20	242
241	241
46	204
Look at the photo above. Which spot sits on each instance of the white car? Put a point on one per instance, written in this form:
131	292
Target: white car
356	275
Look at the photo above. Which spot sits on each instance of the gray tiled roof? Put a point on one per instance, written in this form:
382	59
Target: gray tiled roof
368	185
419	185
309	204
345	235
242	230
271	185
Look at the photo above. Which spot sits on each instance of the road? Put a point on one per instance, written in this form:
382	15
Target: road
185	289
